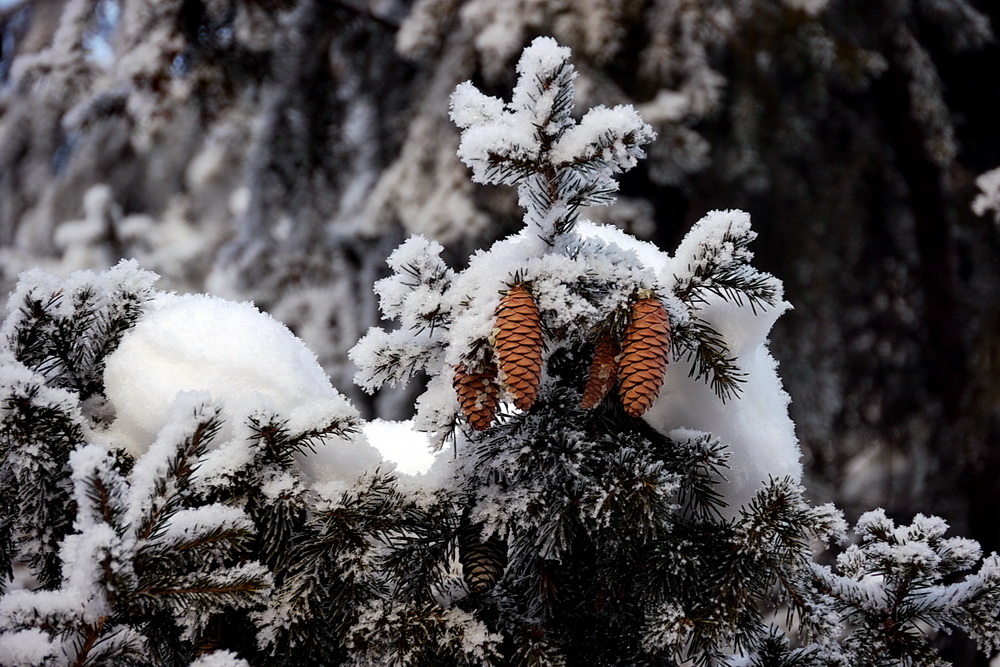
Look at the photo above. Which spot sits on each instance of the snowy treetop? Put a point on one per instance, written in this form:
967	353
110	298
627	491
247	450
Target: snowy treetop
533	140
584	278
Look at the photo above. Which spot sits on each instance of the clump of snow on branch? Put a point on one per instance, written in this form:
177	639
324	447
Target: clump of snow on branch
248	361
756	428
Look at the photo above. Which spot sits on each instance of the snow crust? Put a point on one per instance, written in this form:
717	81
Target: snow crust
241	358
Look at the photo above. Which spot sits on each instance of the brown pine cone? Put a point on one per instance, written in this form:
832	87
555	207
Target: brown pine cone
602	374
478	395
483	561
518	345
645	347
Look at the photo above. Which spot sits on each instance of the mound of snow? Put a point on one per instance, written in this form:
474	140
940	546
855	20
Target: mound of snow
240	356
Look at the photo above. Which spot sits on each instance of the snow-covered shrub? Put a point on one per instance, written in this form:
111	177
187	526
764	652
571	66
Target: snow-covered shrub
178	477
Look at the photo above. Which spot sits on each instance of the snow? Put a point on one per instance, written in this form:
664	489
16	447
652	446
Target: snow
471	107
988	199
755	426
413	292
591	137
190	524
542	61
616	241
25	648
220	659
243	359
400	442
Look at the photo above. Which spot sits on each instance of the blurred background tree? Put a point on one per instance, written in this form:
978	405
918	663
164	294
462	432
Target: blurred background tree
277	150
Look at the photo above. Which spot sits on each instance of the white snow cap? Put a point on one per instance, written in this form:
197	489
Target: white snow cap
242	357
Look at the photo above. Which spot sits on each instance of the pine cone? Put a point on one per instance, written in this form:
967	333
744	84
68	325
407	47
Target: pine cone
645	347
477	395
602	371
483	561
518	345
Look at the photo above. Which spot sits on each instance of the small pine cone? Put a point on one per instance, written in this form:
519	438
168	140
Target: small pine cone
518	345
477	395
602	371
645	347
483	561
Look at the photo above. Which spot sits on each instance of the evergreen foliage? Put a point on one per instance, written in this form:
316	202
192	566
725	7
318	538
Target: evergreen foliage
561	535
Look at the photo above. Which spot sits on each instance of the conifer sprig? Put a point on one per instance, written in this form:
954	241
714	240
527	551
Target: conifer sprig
892	585
279	444
122	572
417	558
40	426
697	343
561	165
720	264
64	331
703	460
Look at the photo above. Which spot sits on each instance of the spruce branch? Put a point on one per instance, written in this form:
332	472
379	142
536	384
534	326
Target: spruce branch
171	473
558	164
702	461
696	342
331	572
393	632
416	558
235	587
393	357
64	329
891	586
718	262
39	429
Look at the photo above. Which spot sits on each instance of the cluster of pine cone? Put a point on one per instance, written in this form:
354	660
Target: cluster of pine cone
634	361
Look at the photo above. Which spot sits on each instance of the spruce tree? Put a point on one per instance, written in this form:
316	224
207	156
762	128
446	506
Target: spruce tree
586	533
